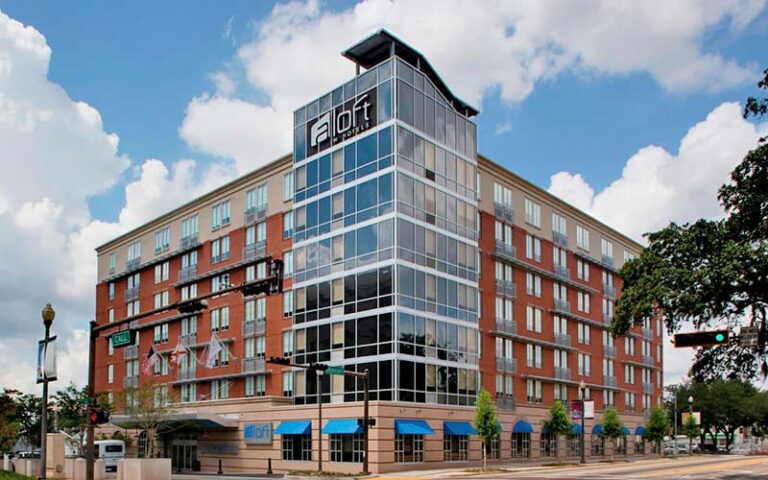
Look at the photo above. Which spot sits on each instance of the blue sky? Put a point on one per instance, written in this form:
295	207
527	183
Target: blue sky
624	109
140	63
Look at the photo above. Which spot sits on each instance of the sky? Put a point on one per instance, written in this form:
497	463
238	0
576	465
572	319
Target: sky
112	113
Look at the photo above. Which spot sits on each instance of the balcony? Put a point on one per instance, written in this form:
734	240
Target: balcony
188	273
609	381
189	241
646	414
647	360
187	374
609	291
508	365
504	212
647	388
506	326
255	251
131	352
505	250
254	365
505	402
560	239
131	382
188	339
506	288
563	306
133	264
255	214
562	373
607	318
254	327
608	261
131	293
647	333
562	272
562	339
609	350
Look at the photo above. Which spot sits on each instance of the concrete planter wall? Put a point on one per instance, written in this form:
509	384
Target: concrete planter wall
144	469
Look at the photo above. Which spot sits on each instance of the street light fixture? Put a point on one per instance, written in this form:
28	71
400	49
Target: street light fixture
583	390
48	314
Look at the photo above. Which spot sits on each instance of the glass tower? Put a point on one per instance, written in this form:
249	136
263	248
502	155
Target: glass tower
385	239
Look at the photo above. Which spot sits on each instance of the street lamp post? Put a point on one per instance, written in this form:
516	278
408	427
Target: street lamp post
48	315
674	439
690	411
583	390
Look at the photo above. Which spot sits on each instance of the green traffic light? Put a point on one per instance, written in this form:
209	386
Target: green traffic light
719	337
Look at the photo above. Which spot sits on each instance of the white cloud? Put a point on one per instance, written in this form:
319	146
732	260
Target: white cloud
495	46
502	128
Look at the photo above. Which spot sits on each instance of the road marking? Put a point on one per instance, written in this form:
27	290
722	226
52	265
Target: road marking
704	468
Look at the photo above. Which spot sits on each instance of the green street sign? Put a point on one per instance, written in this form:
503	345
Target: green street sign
123	338
334	371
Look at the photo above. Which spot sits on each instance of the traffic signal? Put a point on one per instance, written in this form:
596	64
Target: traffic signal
701	339
192	306
256	288
318	367
279	360
99	416
371	422
276	276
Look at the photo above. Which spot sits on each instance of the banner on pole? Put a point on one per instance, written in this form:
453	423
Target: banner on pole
46	360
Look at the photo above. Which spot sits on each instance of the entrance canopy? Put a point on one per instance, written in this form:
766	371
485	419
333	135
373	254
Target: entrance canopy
522	427
180	421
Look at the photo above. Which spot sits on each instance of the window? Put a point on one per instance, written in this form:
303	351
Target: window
532	213
134	251
504	309
583	332
256	199
629	346
629	401
409	448
110	373
189	392
288	186
629	374
297	447
628	256
559	224
533	388
189	325
561	392
220	282
503	233
161	334
255	386
287	263
533	318
608	367
162	239
188	291
532	248
583	301
161	299
111	316
287	303
533	284
521	445
607	308
288	343
606	248
582	270
189	228
220	319
219	389
609	398
287	224
533	355
132	308
256	234
189	262
162	272
560	257
112	262
585	364
582	238
220	249
455	447
287	384
347	448
502	195
111	291
220	215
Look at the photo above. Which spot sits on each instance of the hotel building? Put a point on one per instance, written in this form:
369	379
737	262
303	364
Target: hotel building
405	253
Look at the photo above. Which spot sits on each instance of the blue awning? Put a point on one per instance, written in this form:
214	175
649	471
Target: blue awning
640	430
522	427
624	431
597	429
576	429
342	426
294	427
459	428
413	427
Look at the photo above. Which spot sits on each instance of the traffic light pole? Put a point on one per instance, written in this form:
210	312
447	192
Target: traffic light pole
365	421
91	399
319	375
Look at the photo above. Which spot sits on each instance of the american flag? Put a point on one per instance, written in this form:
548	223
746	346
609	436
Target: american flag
149	362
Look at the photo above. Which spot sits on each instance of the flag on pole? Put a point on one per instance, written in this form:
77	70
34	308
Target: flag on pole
178	353
214	347
149	362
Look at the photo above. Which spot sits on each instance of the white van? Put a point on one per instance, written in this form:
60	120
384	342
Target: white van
110	451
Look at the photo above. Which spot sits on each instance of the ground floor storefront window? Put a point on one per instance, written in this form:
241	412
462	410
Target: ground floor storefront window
640	445
573	446
598	445
297	447
621	446
492	449
409	448
548	445
521	445
347	448
455	448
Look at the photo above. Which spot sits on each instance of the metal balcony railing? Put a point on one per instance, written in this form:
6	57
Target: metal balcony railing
253	365
647	388
188	273
505	402
609	291
563	305
647	333
255	250
505	250
131	293
562	272
506	326
506	288
607	318
254	327
609	350
608	261
560	239
504	212
187	374
255	214
188	339
189	241
562	373
646	414
609	380
133	263
647	360
131	382
131	352
508	365
563	339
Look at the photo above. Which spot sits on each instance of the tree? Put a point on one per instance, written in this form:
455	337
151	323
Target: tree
711	272
657	427
486	421
9	427
612	427
558	423
29	419
149	404
691	430
72	413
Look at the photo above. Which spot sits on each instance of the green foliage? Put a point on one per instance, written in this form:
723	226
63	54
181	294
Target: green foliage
9	427
557	422
691	429
486	421
658	426
612	424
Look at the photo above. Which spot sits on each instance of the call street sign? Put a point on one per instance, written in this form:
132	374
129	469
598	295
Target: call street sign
334	370
123	338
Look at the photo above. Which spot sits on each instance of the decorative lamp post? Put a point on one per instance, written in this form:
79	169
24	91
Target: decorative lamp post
583	390
48	314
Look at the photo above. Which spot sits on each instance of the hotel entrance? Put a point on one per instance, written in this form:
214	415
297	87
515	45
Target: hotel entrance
184	454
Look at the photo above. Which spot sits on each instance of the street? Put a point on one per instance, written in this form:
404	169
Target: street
708	467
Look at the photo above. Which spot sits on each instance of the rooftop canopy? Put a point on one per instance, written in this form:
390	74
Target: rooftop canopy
180	421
